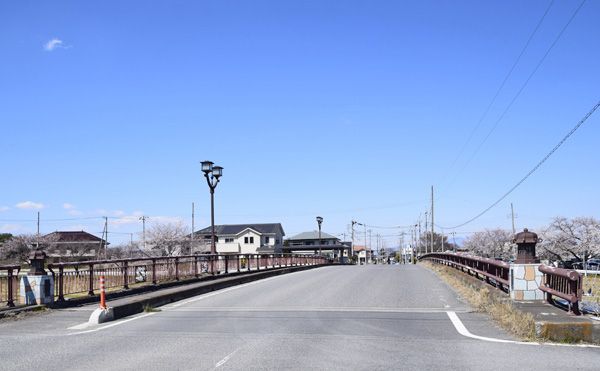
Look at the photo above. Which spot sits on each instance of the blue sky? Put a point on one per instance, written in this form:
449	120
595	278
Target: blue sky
348	110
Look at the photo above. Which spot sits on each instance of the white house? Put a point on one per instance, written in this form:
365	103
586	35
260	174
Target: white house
242	238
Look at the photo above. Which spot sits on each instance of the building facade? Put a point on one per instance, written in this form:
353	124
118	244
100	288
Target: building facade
241	239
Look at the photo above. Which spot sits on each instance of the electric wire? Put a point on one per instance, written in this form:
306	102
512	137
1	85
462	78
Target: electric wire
506	77
521	89
564	139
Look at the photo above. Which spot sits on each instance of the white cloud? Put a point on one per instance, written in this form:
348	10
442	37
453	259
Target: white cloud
68	206
29	205
4	208
74	212
53	44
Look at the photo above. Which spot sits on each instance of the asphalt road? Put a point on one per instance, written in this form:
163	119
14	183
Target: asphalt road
340	317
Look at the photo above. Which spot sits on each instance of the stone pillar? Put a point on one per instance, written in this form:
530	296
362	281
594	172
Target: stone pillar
525	282
37	287
525	278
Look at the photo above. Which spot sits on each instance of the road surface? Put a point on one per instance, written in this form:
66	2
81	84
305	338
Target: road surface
376	317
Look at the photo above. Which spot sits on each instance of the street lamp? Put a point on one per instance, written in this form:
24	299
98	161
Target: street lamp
215	173
319	221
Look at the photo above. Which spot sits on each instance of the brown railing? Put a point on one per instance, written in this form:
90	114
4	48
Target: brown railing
564	283
83	277
494	272
9	284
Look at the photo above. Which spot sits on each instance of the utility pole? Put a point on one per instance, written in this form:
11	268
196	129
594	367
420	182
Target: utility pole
143	219
419	237
512	212
432	219
106	238
130	245
454	240
193	231
364	225
442	240
352	248
426	229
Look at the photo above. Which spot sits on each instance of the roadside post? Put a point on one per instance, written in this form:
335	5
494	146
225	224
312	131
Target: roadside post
103	313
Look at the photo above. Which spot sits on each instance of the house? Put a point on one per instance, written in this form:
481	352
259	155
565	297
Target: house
311	242
241	238
73	245
365	254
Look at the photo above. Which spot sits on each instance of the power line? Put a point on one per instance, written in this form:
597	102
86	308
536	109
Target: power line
532	170
521	89
51	220
506	77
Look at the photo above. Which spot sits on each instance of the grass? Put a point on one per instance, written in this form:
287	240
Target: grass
149	308
486	299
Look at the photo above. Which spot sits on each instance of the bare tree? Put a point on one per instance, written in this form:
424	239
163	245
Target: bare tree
168	239
17	248
492	243
425	240
577	238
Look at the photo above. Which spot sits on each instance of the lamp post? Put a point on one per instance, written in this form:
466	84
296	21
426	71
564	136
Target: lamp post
212	174
319	221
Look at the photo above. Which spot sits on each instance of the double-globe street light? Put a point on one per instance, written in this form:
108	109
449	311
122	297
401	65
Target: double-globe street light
319	221
212	174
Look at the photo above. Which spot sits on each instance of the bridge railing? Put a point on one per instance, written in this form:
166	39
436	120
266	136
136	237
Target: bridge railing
564	283
494	272
76	278
9	284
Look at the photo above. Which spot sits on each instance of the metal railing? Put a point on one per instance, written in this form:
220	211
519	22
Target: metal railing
83	277
494	272
564	283
9	284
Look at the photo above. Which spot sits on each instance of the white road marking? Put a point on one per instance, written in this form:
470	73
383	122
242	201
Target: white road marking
224	360
461	329
318	309
113	324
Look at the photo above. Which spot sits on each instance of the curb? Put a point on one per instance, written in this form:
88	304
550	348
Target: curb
569	332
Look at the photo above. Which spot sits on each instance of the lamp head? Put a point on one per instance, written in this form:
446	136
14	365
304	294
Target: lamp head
207	166
217	171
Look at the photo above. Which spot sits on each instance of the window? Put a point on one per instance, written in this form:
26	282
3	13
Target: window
248	239
251	239
228	239
245	239
276	242
266	239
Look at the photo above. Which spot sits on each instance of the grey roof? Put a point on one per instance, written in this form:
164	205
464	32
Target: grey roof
233	229
313	235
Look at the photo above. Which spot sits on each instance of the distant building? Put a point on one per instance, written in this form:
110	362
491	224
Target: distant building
241	239
365	255
73	245
309	242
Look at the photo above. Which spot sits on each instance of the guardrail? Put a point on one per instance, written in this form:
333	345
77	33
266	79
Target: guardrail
564	283
495	272
9	283
81	277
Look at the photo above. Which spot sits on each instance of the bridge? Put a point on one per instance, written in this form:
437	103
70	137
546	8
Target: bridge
329	317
